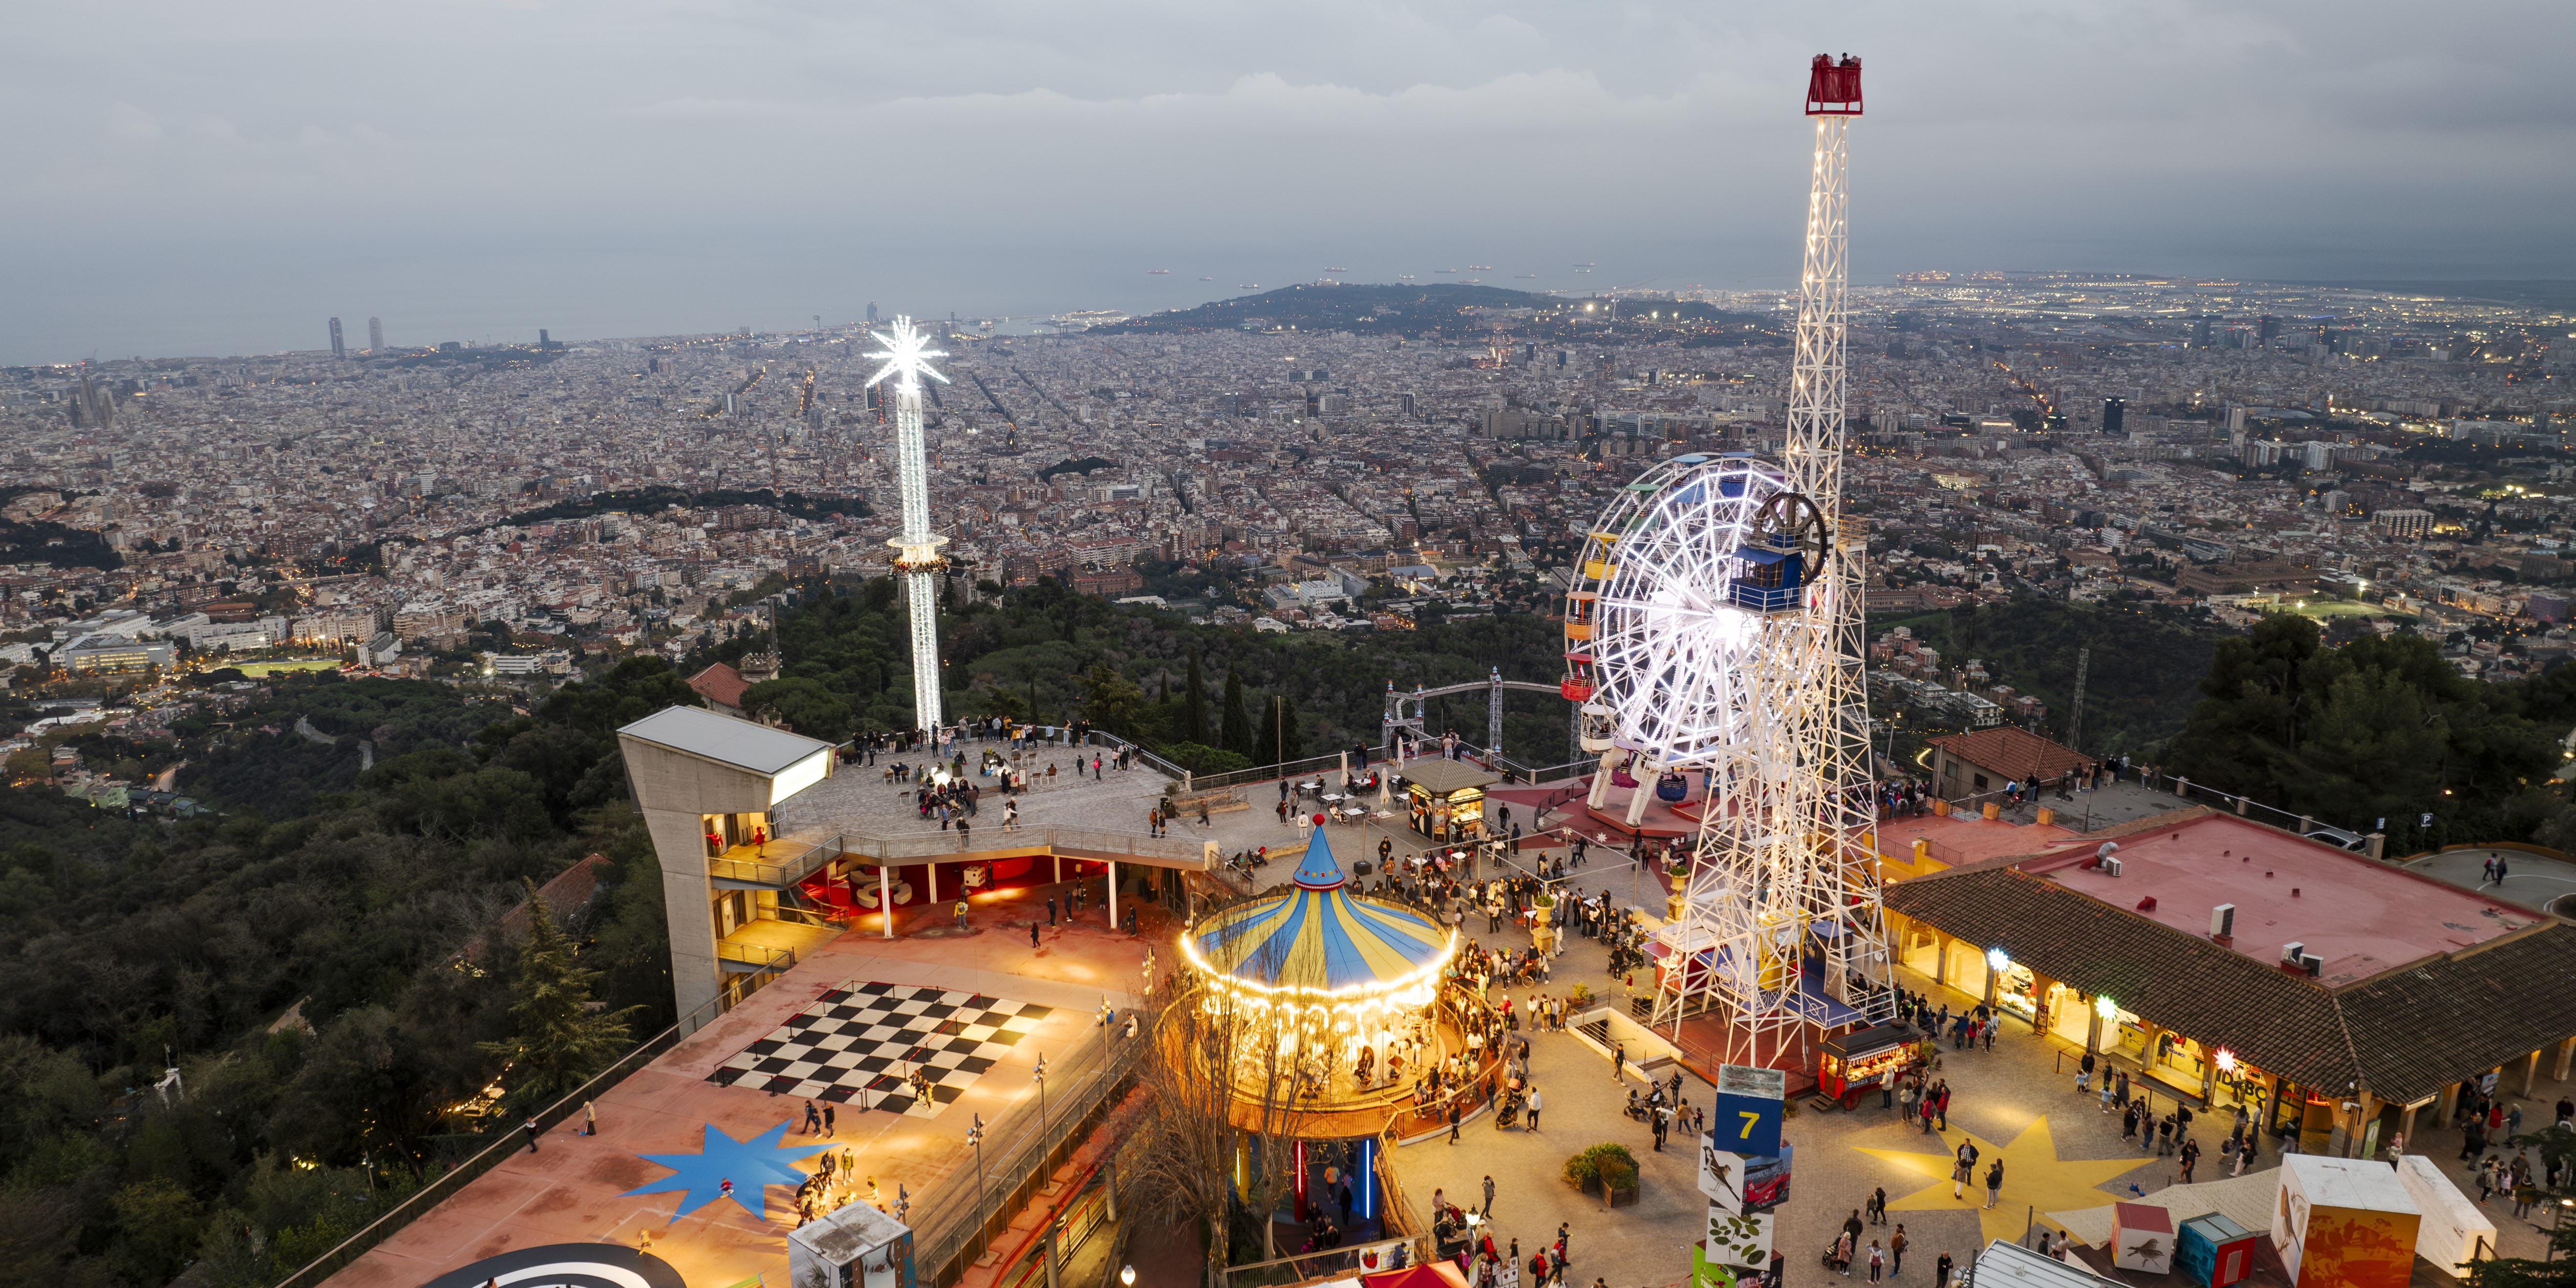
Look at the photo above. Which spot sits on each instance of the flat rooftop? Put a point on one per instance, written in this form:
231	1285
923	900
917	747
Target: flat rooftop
2363	917
723	739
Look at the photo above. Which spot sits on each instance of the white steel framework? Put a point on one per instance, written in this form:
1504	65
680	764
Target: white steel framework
917	551
1780	929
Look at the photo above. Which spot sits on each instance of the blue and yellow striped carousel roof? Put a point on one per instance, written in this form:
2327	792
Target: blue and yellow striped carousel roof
1318	938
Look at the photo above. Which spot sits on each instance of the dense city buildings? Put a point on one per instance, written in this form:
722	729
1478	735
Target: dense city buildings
2226	444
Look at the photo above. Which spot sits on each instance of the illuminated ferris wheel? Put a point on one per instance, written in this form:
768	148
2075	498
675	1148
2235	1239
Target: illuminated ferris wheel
1659	621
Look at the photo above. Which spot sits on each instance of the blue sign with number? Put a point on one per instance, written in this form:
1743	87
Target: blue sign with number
1747	1125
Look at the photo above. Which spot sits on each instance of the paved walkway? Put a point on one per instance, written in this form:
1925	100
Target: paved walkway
2531	880
2061	1153
572	1189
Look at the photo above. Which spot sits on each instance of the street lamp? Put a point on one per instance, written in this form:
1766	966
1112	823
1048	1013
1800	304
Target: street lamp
1127	1276
975	1137
1039	1076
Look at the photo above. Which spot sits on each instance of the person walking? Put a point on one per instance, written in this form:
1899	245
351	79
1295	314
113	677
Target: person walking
1533	1108
589	1119
1033	934
1877	1261
1995	1182
1963	1166
813	1119
827	1120
531	1126
2084	1075
1877	1206
1896	1252
1489	1196
1453	1121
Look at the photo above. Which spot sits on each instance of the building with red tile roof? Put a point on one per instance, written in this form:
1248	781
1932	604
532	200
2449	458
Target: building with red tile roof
1965	764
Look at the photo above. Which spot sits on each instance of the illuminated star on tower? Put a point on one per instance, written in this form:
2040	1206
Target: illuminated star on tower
906	355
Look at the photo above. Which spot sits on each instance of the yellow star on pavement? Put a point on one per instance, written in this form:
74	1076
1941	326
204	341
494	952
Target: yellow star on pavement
2034	1178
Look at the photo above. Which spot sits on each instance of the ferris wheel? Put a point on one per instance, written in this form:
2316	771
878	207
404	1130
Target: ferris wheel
1659	621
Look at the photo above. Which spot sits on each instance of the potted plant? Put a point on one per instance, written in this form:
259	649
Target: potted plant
1583	1172
1606	1169
1618	1182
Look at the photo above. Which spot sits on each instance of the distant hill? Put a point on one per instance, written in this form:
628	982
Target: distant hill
1456	309
1369	310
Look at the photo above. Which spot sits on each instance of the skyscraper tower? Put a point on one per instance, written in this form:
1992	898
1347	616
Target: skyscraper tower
338	350
375	335
917	558
1782	927
2115	415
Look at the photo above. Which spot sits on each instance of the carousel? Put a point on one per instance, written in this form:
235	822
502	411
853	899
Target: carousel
1336	994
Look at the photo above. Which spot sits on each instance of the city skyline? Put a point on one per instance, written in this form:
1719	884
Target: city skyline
195	213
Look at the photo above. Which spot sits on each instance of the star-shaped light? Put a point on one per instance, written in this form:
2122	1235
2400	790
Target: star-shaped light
906	355
752	1165
2034	1177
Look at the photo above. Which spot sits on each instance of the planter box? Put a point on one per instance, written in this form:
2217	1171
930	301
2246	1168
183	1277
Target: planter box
1624	1198
1590	1186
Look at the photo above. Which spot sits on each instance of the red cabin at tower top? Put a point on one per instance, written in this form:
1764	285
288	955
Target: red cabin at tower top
1833	87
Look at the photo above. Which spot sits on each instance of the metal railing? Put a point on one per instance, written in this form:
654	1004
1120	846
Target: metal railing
800	862
913	846
1020	1155
2072	813
1512	769
761	959
506	1141
1265	773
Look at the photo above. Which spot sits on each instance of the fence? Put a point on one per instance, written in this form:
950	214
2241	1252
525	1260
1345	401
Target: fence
2072	814
505	1142
1034	1141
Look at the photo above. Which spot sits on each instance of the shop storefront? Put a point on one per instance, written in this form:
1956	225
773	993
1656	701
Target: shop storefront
2323	1062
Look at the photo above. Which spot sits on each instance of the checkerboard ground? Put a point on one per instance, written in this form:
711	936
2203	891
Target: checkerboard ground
872	1044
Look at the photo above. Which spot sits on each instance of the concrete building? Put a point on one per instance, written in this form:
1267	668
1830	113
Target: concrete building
706	784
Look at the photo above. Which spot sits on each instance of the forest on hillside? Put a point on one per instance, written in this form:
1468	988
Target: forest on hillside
303	960
2381	727
2138	689
1045	654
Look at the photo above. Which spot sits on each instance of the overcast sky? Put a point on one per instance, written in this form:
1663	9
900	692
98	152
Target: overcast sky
192	178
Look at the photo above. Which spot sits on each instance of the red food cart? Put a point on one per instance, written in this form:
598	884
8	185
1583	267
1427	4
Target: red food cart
1848	1064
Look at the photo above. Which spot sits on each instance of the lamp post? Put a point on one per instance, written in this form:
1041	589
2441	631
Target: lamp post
1127	1277
1039	1076
1997	962
975	1137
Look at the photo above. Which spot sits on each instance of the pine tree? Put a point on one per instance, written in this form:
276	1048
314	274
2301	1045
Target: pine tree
559	1041
1278	742
1194	724
1237	730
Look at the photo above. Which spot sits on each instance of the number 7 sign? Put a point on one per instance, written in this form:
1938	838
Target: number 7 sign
1747	1116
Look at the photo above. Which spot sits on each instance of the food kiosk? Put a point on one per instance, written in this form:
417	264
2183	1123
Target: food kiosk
1848	1064
1446	799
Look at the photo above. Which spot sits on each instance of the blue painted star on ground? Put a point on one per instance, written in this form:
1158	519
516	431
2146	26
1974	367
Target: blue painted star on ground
752	1165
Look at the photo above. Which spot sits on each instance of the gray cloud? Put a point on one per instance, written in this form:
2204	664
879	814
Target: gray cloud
219	178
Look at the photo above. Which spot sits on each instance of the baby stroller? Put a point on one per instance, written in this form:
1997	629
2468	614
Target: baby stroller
1834	1261
1507	1109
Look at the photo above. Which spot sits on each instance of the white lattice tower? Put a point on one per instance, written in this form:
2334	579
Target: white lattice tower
917	551
1783	888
